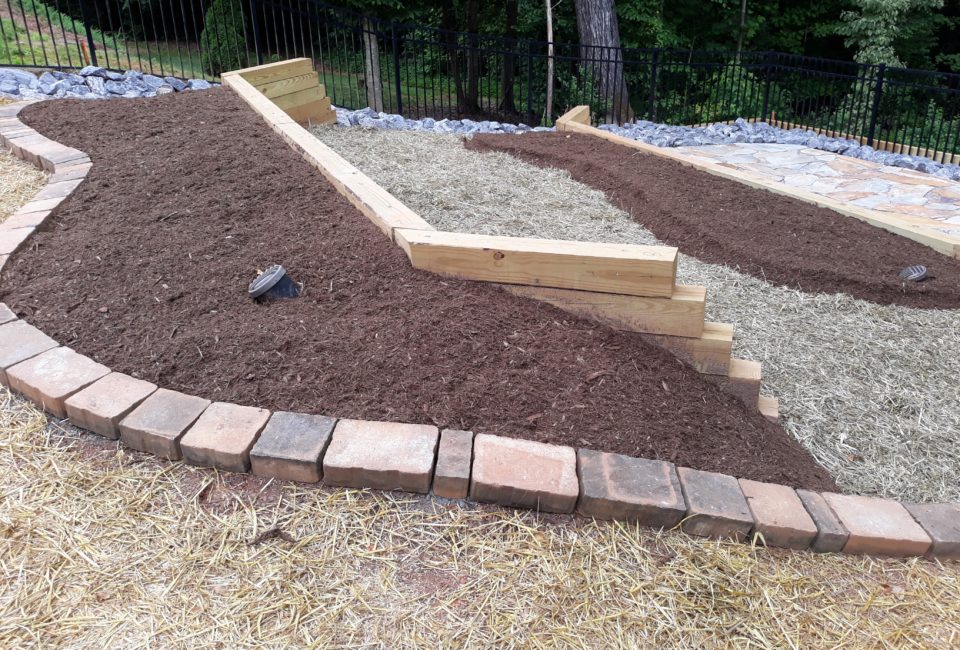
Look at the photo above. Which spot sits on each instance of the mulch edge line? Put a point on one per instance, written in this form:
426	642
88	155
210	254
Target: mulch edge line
483	467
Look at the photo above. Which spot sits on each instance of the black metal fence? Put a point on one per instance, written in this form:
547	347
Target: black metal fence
420	71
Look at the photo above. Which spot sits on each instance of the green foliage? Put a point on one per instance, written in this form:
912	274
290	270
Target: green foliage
875	28
222	43
735	92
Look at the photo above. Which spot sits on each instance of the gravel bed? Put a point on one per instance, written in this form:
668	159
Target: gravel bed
870	390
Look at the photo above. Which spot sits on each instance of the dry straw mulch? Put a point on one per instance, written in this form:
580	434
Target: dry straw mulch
870	390
20	181
102	547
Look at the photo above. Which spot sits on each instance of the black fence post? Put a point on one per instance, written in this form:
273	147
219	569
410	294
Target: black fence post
255	25
875	109
768	69
654	65
85	17
396	67
529	82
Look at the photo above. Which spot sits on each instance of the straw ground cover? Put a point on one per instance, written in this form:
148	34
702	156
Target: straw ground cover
870	390
103	547
20	181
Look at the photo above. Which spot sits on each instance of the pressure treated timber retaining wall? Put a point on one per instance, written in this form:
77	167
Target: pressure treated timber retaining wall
420	458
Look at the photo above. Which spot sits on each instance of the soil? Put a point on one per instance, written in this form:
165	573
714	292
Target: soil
775	238
146	266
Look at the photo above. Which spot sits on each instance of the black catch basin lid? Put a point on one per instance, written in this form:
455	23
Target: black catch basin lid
274	283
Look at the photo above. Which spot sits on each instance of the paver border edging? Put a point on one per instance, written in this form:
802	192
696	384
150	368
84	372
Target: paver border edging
421	458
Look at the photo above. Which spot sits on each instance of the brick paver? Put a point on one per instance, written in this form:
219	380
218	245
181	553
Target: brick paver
941	521
20	341
613	486
878	526
524	473
451	479
381	455
831	535
291	447
157	425
6	314
48	379
779	515
100	406
716	506
223	436
12	239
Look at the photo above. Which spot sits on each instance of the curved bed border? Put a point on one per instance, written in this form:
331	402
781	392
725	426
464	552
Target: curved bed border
421	458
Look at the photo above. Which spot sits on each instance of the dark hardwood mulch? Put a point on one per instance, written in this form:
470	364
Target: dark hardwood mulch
146	268
776	238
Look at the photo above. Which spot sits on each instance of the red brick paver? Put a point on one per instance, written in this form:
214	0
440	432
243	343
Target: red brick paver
20	341
715	505
50	378
831	535
779	515
223	436
613	486
291	447
156	426
100	406
524	473
941	521
878	526
451	479
381	455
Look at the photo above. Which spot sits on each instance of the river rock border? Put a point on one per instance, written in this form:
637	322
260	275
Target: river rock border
421	458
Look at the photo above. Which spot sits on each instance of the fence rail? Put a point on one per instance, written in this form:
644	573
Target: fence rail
421	71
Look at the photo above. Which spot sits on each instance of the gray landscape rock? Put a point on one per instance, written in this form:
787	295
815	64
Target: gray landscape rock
91	82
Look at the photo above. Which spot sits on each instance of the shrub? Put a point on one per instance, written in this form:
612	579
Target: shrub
222	41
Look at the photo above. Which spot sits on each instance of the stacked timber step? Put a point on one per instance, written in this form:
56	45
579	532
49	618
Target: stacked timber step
294	87
628	287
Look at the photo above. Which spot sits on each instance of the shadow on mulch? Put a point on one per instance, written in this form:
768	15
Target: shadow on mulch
775	238
146	268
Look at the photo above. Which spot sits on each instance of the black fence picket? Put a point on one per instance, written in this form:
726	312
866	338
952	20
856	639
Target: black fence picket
423	71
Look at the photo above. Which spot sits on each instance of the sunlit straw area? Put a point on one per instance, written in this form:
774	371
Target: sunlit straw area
102	547
870	390
20	181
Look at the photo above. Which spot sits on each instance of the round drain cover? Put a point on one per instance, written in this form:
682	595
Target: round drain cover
915	273
266	281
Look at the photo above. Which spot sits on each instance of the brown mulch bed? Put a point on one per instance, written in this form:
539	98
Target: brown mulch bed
781	240
146	269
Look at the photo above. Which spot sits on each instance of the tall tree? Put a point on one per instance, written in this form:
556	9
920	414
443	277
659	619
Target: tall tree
507	101
600	46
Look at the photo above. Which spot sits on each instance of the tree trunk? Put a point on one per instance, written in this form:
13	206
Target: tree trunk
371	66
473	56
548	110
507	100
449	25
743	25
600	52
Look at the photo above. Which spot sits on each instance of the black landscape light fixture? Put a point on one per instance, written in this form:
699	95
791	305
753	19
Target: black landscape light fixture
274	283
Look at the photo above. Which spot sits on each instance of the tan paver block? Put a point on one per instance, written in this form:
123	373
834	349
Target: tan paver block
524	473
25	219
878	526
56	190
223	436
18	342
3	261
159	422
70	172
451	479
6	314
48	379
941	521
291	447
716	506
12	239
613	486
381	455
831	535
779	515
100	406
